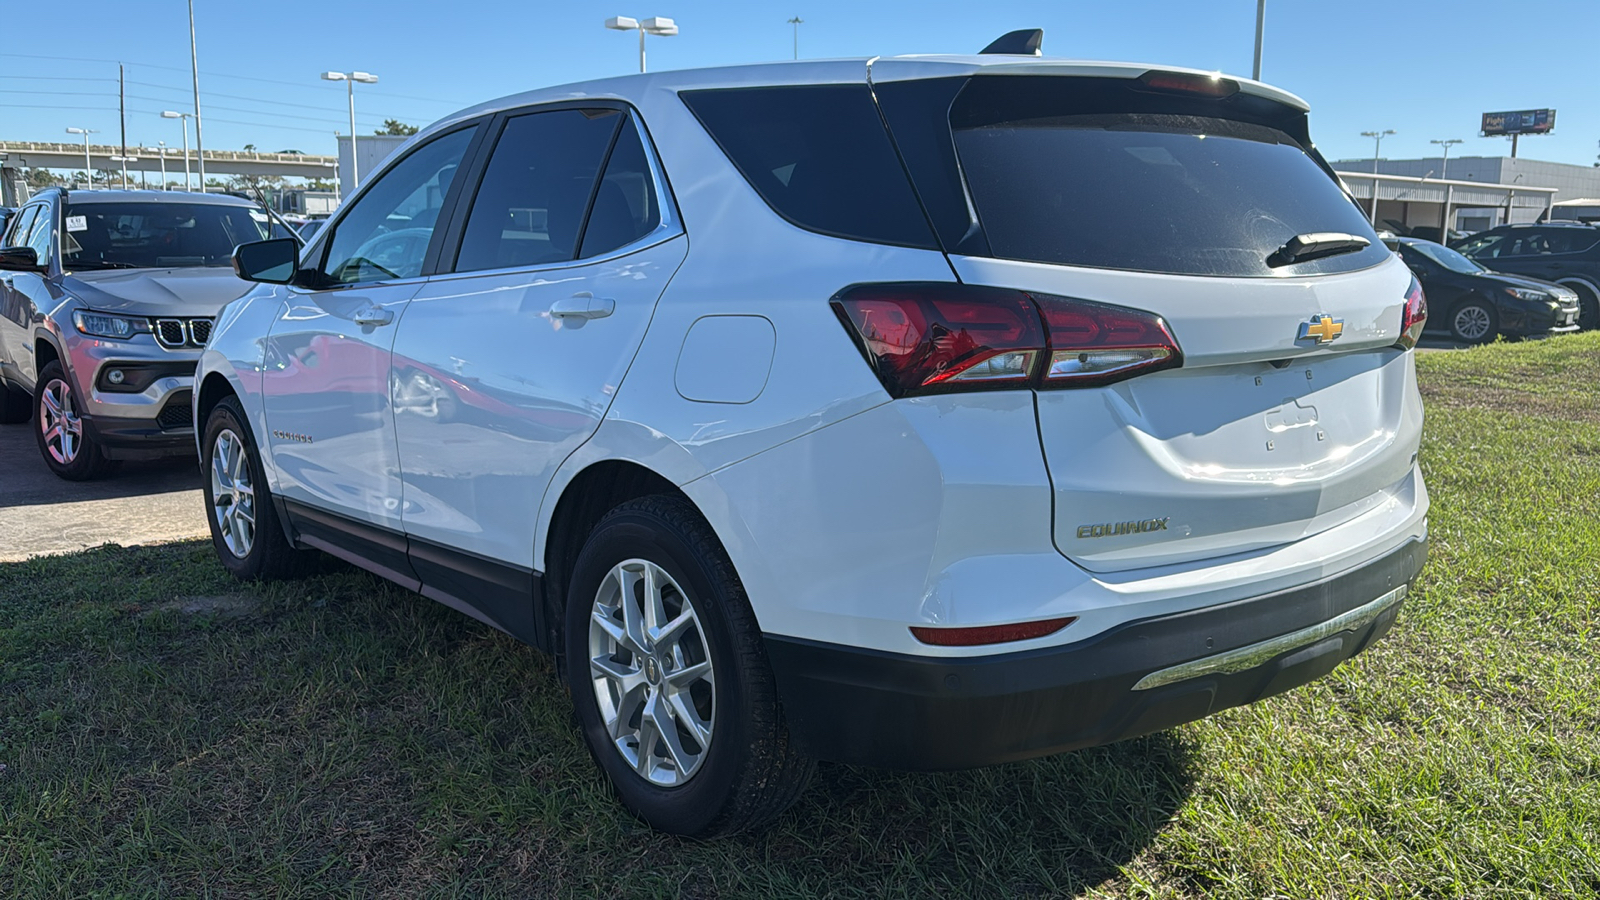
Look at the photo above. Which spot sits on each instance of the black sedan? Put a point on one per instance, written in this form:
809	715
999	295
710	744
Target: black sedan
1474	304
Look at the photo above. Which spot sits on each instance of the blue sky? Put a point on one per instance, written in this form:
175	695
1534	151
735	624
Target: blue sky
1426	68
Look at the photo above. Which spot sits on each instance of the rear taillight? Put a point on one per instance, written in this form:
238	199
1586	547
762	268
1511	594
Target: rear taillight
989	634
1414	316
933	338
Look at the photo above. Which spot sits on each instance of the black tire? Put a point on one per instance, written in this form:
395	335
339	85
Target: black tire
1588	306
16	405
1474	321
267	555
751	771
79	457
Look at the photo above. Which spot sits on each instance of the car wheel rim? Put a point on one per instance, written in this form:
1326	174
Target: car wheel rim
233	496
59	422
652	675
1472	322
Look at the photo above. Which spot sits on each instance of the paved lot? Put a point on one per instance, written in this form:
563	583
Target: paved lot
144	502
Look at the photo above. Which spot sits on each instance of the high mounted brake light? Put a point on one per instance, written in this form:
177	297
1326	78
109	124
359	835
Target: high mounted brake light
1189	83
939	338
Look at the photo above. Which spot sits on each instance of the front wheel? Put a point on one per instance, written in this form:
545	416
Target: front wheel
69	449
673	691
1474	321
249	541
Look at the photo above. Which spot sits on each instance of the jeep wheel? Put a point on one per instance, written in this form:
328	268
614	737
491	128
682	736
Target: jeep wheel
68	448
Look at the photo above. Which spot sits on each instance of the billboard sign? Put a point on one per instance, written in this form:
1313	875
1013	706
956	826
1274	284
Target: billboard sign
1527	121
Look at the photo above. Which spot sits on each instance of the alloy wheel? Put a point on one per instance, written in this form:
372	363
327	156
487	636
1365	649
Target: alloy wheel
1472	322
233	496
653	680
60	422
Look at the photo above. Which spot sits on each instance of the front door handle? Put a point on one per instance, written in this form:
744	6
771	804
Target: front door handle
373	315
583	305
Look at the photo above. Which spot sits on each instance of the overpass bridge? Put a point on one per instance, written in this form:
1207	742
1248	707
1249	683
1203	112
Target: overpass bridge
32	154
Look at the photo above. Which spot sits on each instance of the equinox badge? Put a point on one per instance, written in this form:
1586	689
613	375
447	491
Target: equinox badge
1322	328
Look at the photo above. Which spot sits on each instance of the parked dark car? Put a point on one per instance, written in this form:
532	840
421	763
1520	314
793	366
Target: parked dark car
1565	253
1474	304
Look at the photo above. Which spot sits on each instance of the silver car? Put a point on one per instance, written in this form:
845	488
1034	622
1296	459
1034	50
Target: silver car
106	298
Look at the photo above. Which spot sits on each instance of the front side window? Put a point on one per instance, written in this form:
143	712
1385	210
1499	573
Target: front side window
156	235
17	235
1484	246
385	234
42	232
530	208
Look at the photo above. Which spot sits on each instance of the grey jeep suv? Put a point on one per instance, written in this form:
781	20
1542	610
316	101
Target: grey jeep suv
106	298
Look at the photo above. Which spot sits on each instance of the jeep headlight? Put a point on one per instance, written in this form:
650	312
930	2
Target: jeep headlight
109	326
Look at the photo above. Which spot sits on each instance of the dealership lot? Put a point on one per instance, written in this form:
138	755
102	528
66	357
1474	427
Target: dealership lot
40	513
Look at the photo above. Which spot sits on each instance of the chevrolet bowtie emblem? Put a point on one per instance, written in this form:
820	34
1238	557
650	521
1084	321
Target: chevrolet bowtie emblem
1321	328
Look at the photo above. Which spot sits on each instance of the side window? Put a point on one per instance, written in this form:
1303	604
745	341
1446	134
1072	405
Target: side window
17	235
1484	247
385	234
536	189
1569	240
625	203
43	232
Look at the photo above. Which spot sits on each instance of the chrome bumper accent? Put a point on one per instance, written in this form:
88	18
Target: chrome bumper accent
1255	654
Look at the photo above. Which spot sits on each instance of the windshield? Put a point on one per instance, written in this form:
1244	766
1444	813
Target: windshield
1446	257
157	235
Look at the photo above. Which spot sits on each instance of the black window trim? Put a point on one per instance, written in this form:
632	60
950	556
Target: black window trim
308	278
670	226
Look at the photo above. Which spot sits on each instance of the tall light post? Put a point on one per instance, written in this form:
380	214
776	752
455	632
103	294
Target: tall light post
124	160
1261	30
1444	167
797	22
170	114
199	142
1377	148
658	25
163	150
350	79
88	167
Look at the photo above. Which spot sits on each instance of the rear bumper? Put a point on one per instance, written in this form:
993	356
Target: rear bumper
907	712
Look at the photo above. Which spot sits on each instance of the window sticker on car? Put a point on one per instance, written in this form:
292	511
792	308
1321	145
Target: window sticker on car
77	223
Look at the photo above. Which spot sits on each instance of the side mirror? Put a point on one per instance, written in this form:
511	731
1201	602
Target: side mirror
21	259
272	262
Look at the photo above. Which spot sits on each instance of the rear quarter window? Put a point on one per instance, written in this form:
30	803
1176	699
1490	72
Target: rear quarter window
820	158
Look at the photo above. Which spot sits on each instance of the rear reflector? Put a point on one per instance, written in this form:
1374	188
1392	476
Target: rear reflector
931	338
1415	315
989	634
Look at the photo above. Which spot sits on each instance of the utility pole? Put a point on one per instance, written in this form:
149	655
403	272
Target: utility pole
1377	149
797	22
1261	29
194	65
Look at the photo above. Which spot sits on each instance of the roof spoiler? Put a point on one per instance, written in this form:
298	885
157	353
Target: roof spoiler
1016	43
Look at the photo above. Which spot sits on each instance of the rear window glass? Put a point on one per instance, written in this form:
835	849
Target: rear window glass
1146	191
819	156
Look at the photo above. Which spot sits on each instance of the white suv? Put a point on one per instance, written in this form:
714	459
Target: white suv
926	412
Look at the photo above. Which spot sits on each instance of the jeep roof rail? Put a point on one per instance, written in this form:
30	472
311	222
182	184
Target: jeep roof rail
1020	43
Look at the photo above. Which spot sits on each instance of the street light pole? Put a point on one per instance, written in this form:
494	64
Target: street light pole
1444	167
163	149
1377	150
1261	29
350	79
657	25
199	142
88	167
184	123
797	22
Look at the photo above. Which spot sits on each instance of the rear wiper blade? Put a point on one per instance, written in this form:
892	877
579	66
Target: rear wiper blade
1316	245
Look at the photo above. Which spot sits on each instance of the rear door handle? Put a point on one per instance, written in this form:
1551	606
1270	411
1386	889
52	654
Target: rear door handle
373	315
583	305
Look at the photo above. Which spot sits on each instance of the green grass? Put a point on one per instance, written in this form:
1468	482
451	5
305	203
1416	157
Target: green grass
166	732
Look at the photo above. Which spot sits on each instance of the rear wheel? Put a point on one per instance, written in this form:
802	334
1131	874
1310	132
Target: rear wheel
67	446
673	691
1474	321
244	524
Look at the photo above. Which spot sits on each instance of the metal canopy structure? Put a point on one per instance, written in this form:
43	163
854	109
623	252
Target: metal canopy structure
1447	195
